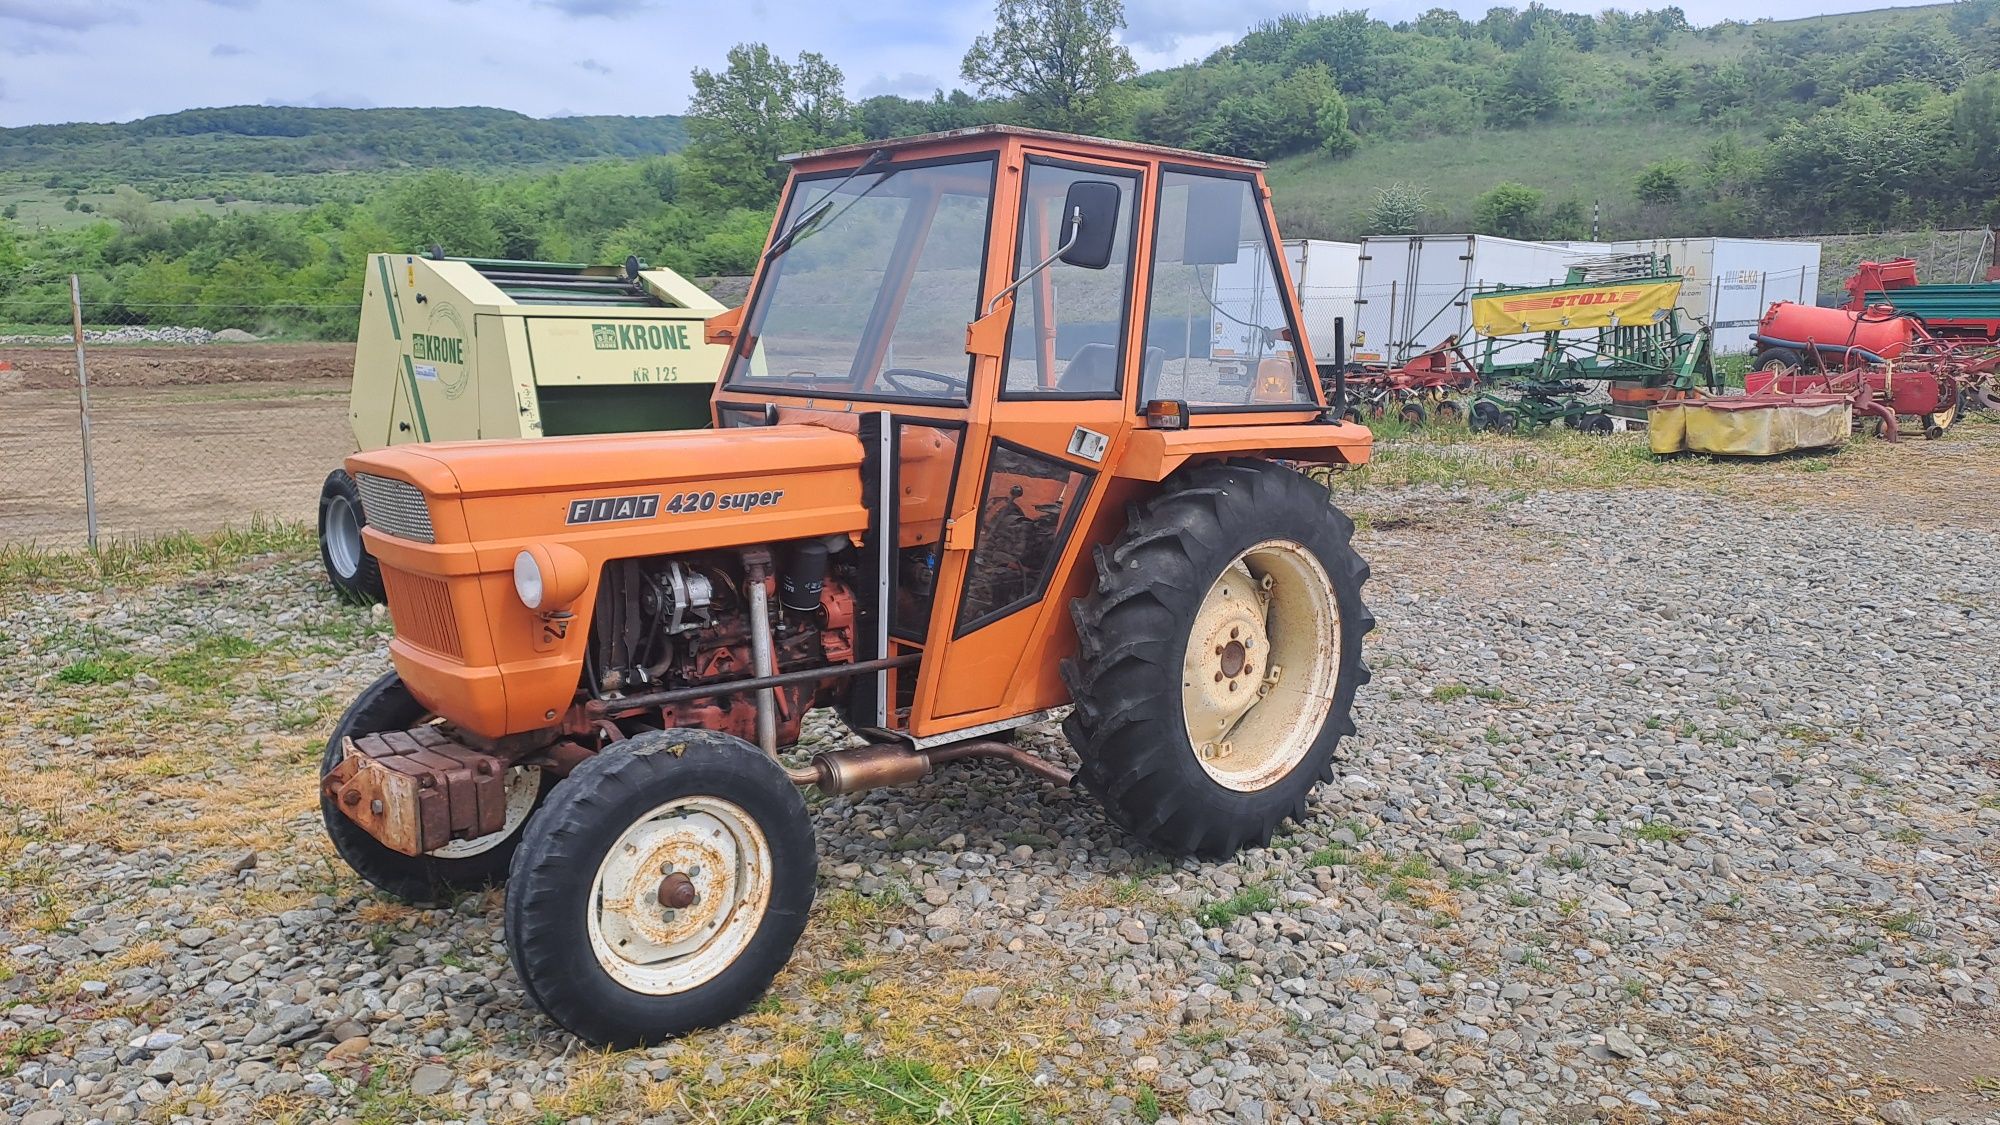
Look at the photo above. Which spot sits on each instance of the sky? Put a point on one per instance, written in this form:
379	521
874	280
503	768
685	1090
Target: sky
115	60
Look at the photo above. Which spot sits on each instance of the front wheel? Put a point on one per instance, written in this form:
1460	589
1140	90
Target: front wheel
661	888
462	865
1218	657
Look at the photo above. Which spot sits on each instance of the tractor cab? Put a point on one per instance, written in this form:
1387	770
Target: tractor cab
1025	329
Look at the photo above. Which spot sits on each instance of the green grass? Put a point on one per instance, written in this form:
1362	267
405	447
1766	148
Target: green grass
841	1081
1447	693
1334	856
121	563
1146	1104
1247	900
1659	831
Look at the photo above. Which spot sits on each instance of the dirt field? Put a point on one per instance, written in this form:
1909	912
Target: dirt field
183	438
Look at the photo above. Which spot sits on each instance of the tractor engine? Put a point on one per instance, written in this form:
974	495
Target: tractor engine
676	622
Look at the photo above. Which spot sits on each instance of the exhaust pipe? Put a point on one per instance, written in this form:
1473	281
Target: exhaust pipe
839	772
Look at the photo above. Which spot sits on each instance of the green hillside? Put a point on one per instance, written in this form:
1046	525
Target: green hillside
215	159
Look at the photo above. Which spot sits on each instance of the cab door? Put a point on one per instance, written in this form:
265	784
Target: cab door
1047	422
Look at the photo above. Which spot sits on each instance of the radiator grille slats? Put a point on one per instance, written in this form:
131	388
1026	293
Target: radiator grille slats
395	507
420	608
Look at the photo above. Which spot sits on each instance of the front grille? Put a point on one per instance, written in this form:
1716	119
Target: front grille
395	508
420	607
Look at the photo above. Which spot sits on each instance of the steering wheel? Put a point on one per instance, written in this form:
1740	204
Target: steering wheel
949	386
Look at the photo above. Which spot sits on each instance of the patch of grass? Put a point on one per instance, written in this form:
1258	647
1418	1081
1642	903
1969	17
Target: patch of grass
1247	900
19	1046
1490	694
1903	923
1635	988
1660	832
1520	900
130	562
1335	856
1655	722
1487	783
1146	1104
1907	836
1446	693
1233	978
1464	832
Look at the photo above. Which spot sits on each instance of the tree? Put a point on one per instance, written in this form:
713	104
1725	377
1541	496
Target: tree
1510	210
1662	183
755	110
441	208
1060	59
1535	87
1398	208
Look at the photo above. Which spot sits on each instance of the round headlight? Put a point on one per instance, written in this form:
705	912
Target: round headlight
528	580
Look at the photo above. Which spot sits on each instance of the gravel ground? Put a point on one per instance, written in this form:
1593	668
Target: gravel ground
1666	804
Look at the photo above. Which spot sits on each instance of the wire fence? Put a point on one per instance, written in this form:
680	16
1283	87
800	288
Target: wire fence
160	423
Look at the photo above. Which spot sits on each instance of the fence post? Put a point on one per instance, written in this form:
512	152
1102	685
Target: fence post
83	412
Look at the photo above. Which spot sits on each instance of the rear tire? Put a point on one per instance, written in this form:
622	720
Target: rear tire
1412	414
1773	359
588	928
1243	551
1448	411
463	865
1597	424
1485	416
354	573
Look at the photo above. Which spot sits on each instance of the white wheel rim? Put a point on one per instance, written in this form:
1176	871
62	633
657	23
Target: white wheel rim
1262	663
343	537
523	784
715	848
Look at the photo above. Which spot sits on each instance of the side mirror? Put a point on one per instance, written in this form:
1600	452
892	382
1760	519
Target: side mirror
1090	224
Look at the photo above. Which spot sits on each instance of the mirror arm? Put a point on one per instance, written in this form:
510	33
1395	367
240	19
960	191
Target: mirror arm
1075	232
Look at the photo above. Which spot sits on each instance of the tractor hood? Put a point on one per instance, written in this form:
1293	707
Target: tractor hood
665	492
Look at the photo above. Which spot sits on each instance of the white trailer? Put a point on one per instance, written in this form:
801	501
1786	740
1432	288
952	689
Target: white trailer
1730	282
1412	290
1326	275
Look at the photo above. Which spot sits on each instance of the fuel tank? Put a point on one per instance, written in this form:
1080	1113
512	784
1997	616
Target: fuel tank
449	521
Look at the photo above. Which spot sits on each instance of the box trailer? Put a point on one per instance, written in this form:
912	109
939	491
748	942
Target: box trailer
1326	275
1413	290
456	349
1730	282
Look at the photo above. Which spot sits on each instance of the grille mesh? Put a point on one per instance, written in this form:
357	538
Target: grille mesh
395	508
420	608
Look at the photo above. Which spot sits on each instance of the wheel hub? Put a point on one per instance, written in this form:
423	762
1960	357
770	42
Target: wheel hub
679	895
1262	658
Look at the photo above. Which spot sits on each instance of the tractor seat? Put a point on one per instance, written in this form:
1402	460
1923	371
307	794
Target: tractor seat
1094	369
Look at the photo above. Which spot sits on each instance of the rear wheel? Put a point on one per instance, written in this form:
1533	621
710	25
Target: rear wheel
1778	359
1217	658
1448	411
1596	424
461	865
352	570
1412	414
662	888
1486	415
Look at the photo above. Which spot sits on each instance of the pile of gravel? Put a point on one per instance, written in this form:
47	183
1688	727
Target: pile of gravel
137	334
1658	808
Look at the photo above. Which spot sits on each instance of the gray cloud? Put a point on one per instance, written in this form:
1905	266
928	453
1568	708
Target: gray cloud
69	15
1159	25
607	9
226	50
906	84
593	66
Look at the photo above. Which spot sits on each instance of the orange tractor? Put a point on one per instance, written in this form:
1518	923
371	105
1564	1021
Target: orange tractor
967	469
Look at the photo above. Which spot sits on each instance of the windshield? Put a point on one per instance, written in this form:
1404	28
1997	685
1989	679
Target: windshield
872	297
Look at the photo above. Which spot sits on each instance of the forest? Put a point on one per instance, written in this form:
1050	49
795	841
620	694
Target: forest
1880	120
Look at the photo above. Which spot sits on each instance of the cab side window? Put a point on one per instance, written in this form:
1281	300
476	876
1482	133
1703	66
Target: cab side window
1067	337
1218	310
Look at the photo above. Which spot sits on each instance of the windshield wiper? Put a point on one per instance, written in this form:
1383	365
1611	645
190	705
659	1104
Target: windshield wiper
811	219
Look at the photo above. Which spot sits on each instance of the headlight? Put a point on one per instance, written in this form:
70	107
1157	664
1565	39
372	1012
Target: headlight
528	579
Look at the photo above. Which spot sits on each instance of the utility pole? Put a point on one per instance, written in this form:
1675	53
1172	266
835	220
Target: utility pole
83	412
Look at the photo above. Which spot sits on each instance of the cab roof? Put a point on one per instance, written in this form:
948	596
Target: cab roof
1077	141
